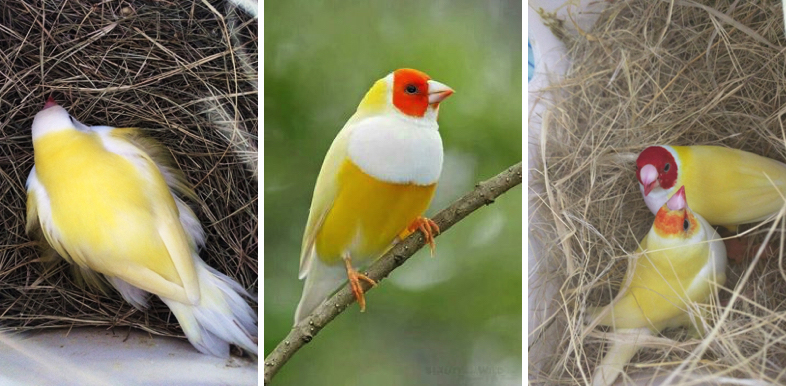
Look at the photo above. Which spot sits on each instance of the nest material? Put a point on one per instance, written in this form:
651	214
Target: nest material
187	76
659	73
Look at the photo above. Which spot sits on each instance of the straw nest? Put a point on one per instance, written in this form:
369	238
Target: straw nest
187	75
649	73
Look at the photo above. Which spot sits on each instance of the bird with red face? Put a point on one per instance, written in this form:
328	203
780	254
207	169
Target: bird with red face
728	186
377	179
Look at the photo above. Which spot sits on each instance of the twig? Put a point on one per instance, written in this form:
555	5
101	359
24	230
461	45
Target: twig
483	194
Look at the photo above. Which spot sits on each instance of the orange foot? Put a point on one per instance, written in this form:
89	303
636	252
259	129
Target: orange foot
426	226
737	249
354	281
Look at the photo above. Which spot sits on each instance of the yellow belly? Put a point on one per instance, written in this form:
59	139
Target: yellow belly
367	215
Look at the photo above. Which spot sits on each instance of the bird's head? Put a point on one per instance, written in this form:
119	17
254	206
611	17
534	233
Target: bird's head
675	219
405	91
52	118
656	168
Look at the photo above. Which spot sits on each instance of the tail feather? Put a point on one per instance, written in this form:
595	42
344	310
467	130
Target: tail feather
221	317
618	355
136	296
322	280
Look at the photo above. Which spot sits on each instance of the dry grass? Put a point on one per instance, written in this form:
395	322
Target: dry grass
659	73
184	72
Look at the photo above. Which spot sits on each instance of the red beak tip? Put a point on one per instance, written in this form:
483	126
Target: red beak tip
648	189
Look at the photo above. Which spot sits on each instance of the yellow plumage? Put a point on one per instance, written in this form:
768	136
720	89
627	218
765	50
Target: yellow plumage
727	186
680	262
369	213
378	177
731	186
76	169
103	199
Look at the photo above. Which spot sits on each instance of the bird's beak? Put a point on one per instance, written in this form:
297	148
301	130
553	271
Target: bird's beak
678	201
649	178
49	103
437	92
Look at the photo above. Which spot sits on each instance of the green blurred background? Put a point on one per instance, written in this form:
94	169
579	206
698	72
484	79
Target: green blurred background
451	320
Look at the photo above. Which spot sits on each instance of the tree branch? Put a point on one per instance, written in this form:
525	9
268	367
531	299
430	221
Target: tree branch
302	333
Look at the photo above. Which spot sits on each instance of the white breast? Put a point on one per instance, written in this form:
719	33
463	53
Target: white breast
656	198
397	149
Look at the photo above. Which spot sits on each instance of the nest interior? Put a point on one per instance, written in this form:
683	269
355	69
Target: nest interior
678	73
186	75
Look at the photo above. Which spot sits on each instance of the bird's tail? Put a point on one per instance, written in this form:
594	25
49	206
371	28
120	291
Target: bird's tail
221	317
322	280
621	349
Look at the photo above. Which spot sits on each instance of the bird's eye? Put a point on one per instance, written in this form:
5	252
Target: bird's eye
685	224
411	89
667	167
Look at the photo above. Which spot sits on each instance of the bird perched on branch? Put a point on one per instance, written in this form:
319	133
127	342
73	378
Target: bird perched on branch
376	181
728	187
681	262
106	200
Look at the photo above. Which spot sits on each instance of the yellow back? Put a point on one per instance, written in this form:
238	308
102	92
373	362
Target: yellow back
103	207
729	186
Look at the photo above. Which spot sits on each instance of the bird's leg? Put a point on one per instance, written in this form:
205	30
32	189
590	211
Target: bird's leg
426	226
740	247
354	281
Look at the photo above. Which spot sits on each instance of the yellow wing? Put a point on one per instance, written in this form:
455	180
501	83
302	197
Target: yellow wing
729	186
83	276
325	192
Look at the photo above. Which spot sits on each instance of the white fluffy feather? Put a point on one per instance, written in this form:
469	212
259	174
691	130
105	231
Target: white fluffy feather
398	149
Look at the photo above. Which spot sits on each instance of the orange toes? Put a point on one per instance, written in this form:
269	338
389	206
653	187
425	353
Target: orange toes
354	282
429	228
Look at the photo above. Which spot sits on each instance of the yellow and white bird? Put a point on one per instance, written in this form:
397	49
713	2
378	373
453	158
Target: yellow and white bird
376	181
105	199
681	262
728	187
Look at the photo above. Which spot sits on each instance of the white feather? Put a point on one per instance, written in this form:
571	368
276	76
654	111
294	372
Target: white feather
398	149
136	296
321	281
220	317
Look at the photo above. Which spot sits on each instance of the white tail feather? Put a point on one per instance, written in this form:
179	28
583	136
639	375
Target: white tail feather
618	355
221	317
136	296
321	281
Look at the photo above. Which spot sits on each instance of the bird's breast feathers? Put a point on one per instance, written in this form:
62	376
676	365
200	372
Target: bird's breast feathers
397	149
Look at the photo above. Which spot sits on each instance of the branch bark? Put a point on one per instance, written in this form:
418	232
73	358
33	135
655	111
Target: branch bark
484	194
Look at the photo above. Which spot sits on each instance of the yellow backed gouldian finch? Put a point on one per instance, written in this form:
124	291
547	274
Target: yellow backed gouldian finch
728	187
105	200
680	262
376	181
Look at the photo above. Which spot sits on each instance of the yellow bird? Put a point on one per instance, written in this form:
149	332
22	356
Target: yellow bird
376	181
681	262
104	199
728	186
